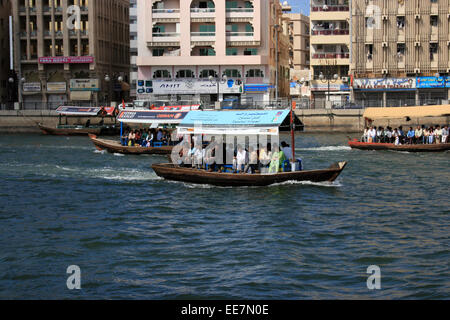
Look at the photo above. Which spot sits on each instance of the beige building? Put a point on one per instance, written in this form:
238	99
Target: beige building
71	51
5	74
330	52
299	51
400	52
208	51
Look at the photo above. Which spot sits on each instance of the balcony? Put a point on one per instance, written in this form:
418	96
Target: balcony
330	32
166	15
203	37
164	39
240	36
201	13
331	55
240	13
330	8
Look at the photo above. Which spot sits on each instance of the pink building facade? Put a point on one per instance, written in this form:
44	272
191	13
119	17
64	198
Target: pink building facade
204	51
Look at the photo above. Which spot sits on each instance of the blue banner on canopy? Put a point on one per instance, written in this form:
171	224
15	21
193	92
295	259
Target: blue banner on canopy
263	118
433	82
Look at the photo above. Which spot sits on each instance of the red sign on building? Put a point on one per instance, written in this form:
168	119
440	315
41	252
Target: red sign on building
64	60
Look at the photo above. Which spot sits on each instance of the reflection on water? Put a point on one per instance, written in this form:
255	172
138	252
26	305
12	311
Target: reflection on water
135	235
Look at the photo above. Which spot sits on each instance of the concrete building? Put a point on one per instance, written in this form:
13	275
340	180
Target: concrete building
204	50
133	49
330	52
5	73
401	52
71	51
299	51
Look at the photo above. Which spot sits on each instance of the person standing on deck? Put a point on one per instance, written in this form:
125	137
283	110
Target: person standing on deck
287	151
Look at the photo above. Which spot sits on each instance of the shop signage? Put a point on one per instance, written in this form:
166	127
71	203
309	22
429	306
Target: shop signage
433	82
64	60
188	86
32	87
84	85
385	84
56	86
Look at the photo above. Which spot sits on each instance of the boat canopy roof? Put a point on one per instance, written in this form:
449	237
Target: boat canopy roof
78	111
151	117
407	112
246	122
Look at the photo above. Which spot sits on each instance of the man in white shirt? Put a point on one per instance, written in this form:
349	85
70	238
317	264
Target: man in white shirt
241	159
372	135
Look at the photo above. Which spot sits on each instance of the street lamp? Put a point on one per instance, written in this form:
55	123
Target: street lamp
108	80
328	78
218	81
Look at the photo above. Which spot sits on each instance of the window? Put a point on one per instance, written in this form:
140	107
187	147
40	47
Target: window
159	74
250	52
207	52
158	52
254	73
232	73
232	51
208	29
207	73
185	74
434	21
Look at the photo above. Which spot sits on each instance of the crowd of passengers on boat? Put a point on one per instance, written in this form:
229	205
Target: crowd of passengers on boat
270	158
146	138
420	135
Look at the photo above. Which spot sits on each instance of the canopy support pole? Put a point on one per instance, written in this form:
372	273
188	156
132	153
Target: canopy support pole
293	105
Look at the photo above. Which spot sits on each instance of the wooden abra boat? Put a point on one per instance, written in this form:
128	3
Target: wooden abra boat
116	147
355	144
171	172
69	130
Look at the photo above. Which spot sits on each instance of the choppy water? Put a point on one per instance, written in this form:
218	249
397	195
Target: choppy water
136	236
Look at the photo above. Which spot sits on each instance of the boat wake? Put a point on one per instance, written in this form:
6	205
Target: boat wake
327	148
335	184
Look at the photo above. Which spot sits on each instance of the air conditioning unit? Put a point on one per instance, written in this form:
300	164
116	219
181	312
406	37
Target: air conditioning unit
384	45
384	71
417	71
417	44
385	17
417	16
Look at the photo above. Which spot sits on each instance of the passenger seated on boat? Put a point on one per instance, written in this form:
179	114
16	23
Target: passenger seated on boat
388	135
252	165
396	137
401	135
277	160
445	134
265	155
159	135
418	134
241	159
137	139
131	138
372	135
124	138
287	150
365	137
430	135
438	134
380	134
411	135
88	123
